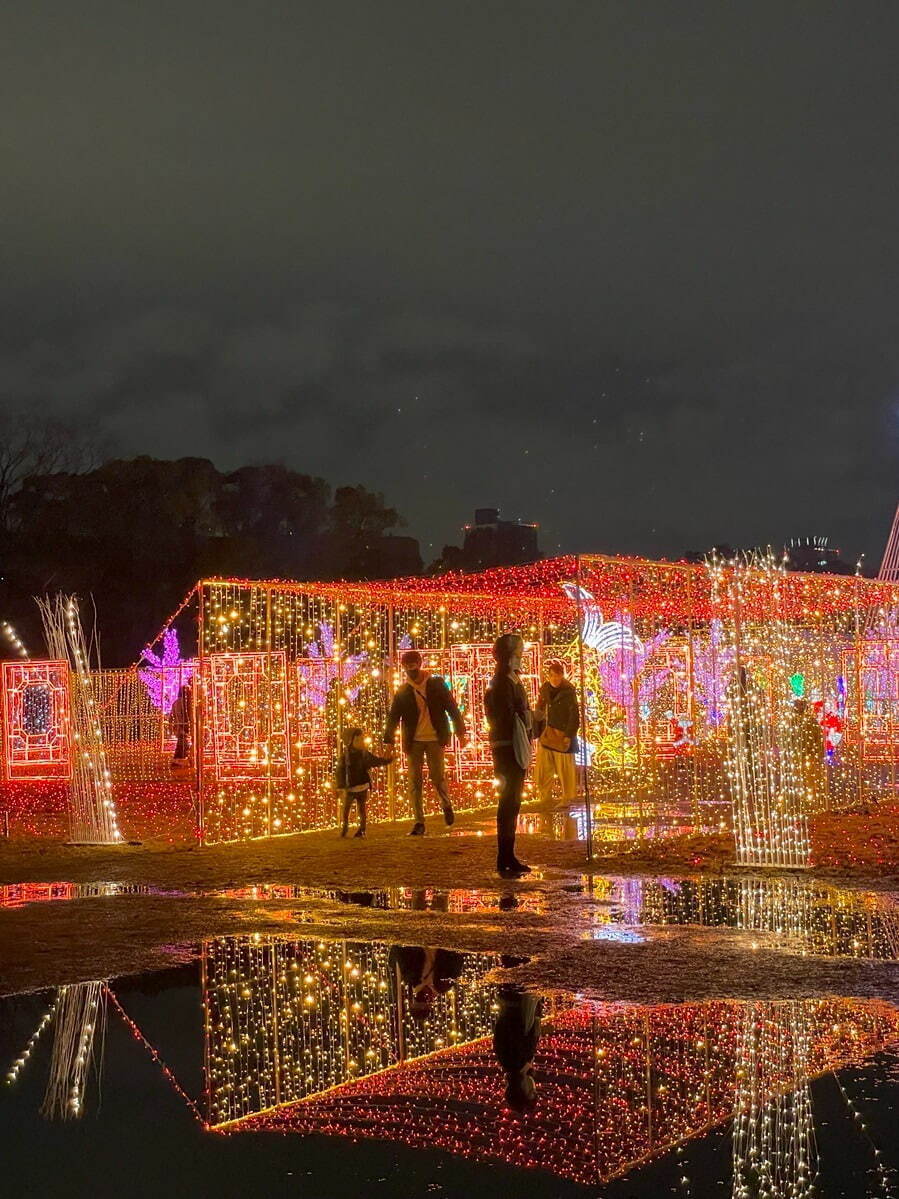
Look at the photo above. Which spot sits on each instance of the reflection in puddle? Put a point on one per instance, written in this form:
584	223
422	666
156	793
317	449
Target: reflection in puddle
285	1020
399	899
425	1048
17	895
613	1087
797	915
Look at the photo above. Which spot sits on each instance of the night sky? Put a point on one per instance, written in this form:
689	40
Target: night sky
627	269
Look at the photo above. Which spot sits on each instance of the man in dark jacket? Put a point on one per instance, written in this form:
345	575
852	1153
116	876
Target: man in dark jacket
425	707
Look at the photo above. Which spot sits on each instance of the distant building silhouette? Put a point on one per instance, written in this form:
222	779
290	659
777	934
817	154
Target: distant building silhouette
814	555
398	555
489	541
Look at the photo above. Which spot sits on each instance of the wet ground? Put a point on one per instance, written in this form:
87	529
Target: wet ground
389	1018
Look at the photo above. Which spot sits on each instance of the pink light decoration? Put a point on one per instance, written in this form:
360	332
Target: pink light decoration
619	668
165	673
711	663
323	667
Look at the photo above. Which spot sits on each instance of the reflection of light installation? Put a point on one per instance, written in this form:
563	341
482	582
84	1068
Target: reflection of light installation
80	1015
92	811
774	1150
763	740
36	721
617	1085
19	895
290	1019
790	914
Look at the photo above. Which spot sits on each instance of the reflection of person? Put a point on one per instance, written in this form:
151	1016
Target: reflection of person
181	717
558	712
353	778
516	1034
425	707
509	720
427	972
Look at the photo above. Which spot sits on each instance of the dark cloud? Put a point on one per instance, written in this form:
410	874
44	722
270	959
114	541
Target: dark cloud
626	269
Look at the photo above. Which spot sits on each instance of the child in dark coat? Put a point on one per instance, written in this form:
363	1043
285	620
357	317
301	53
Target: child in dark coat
352	778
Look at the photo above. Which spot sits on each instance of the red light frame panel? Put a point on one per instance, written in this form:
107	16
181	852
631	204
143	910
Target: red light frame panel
45	754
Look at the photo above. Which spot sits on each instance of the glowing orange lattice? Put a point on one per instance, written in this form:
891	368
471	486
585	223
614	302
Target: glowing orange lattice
36	721
247	698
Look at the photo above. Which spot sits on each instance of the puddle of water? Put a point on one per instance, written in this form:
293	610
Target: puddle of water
785	912
789	913
413	899
409	1069
17	895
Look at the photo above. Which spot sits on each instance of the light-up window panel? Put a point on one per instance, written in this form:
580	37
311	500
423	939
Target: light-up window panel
247	701
36	721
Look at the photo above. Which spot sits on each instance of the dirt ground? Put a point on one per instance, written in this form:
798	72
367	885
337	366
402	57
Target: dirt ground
547	917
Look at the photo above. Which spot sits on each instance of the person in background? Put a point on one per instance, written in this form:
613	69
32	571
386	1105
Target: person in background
353	780
509	720
808	742
516	1035
181	717
558	718
425	707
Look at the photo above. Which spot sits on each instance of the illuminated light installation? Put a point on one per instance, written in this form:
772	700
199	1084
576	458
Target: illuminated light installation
92	811
655	736
14	640
764	755
36	721
248	699
889	565
656	687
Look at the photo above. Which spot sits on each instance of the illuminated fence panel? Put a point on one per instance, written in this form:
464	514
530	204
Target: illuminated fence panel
135	731
247	695
36	721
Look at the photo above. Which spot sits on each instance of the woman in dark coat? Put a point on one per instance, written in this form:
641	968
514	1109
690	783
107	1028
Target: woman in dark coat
509	721
558	717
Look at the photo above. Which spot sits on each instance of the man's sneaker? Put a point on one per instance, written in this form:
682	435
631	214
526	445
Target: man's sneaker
360	832
520	867
449	815
418	830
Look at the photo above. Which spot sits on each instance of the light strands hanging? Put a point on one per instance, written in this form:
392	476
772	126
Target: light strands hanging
13	638
80	1016
92	811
